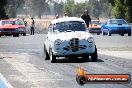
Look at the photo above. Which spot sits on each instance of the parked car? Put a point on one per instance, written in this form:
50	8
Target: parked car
7	28
116	26
69	37
95	27
21	26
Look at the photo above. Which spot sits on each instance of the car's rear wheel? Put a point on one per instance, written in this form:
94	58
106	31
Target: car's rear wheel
94	56
122	34
17	35
129	34
98	33
24	34
52	57
103	33
14	35
109	34
46	55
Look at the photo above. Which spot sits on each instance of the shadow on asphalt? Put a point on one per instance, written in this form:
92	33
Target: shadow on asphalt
74	60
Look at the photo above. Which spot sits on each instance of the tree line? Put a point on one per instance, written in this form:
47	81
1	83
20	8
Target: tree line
96	8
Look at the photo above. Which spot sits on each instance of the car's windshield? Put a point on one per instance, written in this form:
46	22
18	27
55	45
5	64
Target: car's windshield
7	22
95	22
70	25
19	22
13	22
117	22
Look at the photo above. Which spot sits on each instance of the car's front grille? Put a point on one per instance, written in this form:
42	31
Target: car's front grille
6	30
74	44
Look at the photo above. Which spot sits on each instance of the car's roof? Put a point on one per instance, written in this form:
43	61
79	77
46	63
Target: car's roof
66	19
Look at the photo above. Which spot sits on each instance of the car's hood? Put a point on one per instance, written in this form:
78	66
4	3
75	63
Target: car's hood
20	26
74	34
8	26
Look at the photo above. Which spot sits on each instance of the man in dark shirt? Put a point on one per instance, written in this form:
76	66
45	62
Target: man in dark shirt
32	26
85	16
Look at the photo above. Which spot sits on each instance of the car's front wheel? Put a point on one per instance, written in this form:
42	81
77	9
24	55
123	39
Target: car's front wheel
52	57
108	33
16	35
94	55
24	34
98	33
46	55
122	34
129	34
85	57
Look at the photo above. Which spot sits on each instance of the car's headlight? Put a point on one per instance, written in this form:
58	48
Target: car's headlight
90	39
57	42
17	29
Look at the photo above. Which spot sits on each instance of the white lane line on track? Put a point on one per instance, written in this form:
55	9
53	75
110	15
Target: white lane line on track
5	81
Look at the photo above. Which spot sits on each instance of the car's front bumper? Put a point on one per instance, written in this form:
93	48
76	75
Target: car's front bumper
95	30
8	32
119	31
22	30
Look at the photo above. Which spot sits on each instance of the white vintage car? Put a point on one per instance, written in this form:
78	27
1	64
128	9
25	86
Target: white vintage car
69	37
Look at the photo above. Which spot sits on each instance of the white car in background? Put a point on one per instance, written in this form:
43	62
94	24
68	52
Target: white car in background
69	37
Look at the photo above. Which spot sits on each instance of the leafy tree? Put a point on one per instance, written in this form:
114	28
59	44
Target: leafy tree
12	6
58	7
128	14
119	9
2	9
37	7
122	9
68	7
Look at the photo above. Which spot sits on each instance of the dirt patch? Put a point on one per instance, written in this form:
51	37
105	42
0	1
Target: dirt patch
41	25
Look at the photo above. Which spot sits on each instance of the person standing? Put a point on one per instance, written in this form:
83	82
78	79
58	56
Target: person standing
32	26
65	15
85	16
25	22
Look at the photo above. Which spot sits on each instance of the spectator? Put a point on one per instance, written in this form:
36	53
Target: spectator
85	16
25	22
32	26
65	15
